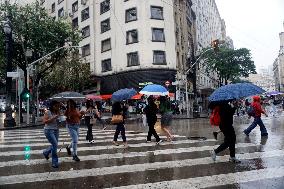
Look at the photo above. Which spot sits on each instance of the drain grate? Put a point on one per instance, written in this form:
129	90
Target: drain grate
197	138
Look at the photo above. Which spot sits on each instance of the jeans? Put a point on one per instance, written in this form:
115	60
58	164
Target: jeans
89	136
52	137
120	128
256	121
73	130
229	141
151	132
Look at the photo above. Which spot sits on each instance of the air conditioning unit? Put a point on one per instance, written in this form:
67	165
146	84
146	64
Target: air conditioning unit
83	2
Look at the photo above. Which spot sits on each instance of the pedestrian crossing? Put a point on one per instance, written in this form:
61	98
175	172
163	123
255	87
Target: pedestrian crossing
182	163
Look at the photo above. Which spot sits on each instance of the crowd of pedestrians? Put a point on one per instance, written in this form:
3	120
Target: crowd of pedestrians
71	116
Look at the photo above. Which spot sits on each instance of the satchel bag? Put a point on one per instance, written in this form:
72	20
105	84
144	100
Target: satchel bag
115	119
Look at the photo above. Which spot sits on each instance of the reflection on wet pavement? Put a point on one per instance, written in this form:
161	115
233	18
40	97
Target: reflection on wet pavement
183	163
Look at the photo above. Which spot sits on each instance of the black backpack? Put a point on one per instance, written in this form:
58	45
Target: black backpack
251	111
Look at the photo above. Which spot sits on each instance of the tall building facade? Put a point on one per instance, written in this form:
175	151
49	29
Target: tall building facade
209	27
278	65
128	42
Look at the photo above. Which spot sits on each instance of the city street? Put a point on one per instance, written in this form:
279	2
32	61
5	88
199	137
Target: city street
183	163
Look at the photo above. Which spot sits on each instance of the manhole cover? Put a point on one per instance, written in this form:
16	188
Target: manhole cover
197	138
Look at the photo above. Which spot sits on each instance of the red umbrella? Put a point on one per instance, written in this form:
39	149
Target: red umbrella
94	97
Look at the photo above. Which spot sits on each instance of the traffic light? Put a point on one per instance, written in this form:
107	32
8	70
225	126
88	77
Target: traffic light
25	94
215	45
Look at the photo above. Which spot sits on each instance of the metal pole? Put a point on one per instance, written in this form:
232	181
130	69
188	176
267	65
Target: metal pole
28	101
186	99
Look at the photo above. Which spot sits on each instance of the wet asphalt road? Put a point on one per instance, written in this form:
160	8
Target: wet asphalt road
184	163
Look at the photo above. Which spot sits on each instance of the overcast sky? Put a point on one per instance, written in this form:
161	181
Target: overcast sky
254	24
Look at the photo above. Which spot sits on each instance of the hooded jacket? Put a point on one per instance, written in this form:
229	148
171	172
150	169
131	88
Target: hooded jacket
257	106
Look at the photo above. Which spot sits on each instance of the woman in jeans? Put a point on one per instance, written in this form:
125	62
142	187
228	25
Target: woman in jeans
89	115
118	110
73	122
51	131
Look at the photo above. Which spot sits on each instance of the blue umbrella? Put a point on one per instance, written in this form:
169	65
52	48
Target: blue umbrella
235	91
123	94
154	89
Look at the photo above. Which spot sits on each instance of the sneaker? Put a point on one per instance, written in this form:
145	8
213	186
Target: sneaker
54	165
115	143
104	127
245	133
68	150
148	141
215	134
213	155
234	160
159	142
92	141
45	156
75	158
264	134
125	145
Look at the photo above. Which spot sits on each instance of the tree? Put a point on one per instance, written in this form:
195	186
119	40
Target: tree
229	64
33	29
66	77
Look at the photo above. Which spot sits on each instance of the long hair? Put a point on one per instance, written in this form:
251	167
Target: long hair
89	104
71	104
52	106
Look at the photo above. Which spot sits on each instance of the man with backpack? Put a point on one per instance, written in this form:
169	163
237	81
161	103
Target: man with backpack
226	113
257	111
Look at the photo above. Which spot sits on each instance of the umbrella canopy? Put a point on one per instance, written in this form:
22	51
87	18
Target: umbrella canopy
94	97
123	94
235	91
68	95
154	90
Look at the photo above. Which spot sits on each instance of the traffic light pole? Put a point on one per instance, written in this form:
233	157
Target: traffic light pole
28	100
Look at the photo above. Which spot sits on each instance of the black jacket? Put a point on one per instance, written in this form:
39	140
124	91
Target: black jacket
151	111
226	115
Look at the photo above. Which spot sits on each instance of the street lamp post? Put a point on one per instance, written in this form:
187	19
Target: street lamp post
9	120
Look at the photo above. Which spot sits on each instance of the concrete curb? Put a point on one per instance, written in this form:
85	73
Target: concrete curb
22	127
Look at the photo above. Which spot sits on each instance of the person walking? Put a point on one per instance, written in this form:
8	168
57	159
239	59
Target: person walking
98	114
51	131
151	111
117	109
258	110
166	117
226	112
89	115
73	123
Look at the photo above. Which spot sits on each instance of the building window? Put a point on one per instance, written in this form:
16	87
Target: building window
60	13
132	59
105	6
86	32
106	65
159	57
53	7
75	23
85	14
157	13
59	1
158	34
86	50
75	7
131	15
106	45
131	36
42	1
105	25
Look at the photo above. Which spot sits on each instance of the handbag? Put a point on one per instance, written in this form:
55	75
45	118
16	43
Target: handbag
115	119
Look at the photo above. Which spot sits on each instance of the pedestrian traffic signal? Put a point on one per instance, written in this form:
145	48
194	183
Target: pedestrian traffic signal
215	45
25	94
